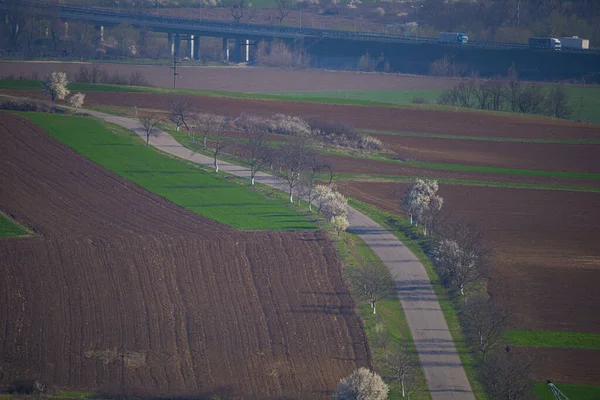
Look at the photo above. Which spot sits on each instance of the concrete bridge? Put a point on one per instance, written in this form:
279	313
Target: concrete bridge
241	35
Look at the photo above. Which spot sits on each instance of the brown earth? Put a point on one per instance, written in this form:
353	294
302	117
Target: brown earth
546	257
549	364
361	117
241	79
546	157
124	291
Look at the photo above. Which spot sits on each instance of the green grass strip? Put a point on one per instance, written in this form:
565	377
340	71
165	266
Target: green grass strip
9	228
23	84
508	171
577	340
572	391
411	237
481	138
215	196
353	252
400	178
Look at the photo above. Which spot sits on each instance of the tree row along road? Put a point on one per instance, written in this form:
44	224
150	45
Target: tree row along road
444	372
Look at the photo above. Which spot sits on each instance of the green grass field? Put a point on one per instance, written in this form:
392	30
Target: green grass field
573	392
579	340
382	96
215	196
480	138
590	94
9	228
509	171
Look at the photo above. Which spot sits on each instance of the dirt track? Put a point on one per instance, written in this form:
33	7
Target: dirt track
186	308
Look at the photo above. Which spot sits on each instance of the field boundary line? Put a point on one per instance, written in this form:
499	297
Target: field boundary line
446	377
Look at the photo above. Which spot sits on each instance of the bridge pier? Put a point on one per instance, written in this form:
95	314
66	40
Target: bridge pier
225	49
196	48
190	46
99	29
176	45
237	51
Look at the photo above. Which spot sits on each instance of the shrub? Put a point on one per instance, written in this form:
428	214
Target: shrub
370	143
335	133
251	123
419	100
289	125
14	105
138	79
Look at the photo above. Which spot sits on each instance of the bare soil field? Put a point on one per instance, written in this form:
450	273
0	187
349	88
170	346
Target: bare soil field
565	365
122	291
242	79
546	157
362	117
545	247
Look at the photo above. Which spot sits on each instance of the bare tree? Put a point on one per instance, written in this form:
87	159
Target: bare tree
581	105
218	145
361	384
284	7
258	148
507	375
293	159
210	125
402	365
514	90
308	180
557	103
237	10
465	92
490	94
373	282
179	113
531	100
483	323
150	125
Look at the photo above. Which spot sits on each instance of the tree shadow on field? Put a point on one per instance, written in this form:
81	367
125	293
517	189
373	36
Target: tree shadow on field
323	309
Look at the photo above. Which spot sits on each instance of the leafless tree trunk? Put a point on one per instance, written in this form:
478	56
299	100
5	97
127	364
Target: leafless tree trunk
402	365
558	103
465	91
284	9
149	124
294	159
483	324
507	376
179	112
373	282
218	145
256	145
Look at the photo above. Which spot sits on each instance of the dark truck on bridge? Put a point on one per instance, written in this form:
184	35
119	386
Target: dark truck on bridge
544	43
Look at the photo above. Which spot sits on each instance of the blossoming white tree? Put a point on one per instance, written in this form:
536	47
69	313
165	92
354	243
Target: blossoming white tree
340	224
77	100
422	203
55	85
362	384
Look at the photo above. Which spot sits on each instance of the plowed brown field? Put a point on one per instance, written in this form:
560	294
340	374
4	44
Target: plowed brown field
380	118
124	291
545	247
546	259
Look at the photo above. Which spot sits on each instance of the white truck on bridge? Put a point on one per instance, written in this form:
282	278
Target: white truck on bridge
575	42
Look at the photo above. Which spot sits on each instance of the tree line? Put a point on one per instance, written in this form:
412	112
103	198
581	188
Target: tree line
510	94
462	259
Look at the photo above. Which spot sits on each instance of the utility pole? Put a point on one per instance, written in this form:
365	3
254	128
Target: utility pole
418	25
174	68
